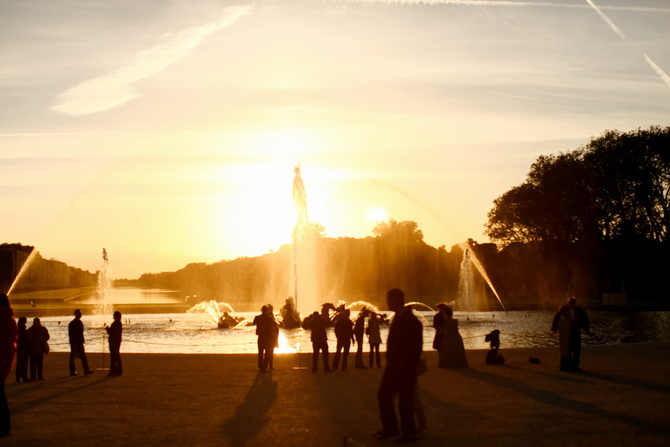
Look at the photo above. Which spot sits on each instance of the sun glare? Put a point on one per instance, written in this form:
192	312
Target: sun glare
377	214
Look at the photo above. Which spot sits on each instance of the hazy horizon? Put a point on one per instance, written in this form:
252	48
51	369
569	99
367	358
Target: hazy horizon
167	132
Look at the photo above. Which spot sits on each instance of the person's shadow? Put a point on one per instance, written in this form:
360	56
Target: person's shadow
252	414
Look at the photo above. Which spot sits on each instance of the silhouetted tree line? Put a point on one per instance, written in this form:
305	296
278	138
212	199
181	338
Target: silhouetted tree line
42	274
585	222
344	268
590	221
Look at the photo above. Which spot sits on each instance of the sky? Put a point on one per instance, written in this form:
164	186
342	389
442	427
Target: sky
167	131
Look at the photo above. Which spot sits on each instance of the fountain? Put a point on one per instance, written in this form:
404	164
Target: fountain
466	289
415	304
302	246
104	306
22	271
212	308
365	304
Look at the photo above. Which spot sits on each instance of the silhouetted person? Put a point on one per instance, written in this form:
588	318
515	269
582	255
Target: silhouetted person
375	339
114	333
267	331
563	329
38	336
452	350
493	357
75	331
344	331
438	324
579	320
359	335
8	336
22	351
317	325
404	347
273	340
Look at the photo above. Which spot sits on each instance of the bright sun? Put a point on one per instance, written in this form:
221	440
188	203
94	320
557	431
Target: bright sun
377	214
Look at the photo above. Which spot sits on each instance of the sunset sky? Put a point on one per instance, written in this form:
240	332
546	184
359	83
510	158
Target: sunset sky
167	131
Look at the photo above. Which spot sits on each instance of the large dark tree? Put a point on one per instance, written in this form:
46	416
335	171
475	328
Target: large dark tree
590	215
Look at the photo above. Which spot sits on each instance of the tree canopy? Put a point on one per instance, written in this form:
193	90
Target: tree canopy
614	187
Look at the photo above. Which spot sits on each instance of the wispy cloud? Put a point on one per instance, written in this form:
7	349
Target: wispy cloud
117	88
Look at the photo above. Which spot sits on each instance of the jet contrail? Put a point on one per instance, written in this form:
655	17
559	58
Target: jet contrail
664	77
657	69
504	3
606	19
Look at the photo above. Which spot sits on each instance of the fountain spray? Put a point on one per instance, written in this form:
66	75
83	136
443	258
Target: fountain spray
300	205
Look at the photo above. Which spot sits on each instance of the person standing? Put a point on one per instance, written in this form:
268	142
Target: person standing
38	336
22	351
562	327
375	339
438	324
75	331
8	335
344	332
452	350
317	325
265	323
579	320
403	352
359	335
273	338
268	332
114	333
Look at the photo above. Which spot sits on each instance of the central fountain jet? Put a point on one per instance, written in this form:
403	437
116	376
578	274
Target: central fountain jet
300	205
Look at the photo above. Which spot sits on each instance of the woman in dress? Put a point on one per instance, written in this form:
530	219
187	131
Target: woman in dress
452	351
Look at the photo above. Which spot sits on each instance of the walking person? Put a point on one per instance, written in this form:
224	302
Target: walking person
114	333
344	331
75	331
375	339
22	351
359	335
403	352
38	336
8	335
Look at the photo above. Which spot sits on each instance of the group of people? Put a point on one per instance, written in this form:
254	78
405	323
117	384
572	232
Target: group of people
347	332
404	354
29	345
